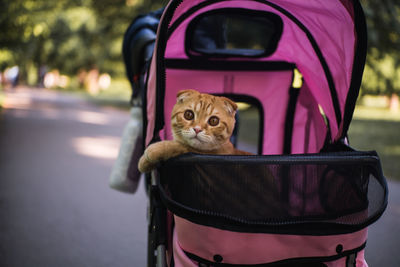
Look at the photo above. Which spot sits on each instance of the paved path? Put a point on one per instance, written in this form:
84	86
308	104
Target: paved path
384	236
56	208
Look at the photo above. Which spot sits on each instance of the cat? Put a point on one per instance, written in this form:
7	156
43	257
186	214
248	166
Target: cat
201	123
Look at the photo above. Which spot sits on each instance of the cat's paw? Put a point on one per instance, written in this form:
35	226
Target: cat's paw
148	161
144	165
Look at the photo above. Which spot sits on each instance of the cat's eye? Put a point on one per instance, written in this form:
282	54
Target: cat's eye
213	121
188	115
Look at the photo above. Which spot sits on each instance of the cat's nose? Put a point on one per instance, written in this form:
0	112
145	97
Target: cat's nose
197	130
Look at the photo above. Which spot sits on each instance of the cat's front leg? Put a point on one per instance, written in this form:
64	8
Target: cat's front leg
157	152
147	163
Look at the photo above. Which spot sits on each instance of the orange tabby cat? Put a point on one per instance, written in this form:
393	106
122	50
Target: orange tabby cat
201	123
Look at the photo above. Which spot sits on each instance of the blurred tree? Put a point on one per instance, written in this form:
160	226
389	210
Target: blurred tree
113	18
69	35
382	73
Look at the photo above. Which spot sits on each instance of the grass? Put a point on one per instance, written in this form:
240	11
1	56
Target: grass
377	128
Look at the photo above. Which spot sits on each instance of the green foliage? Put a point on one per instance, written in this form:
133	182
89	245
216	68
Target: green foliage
380	135
68	35
382	73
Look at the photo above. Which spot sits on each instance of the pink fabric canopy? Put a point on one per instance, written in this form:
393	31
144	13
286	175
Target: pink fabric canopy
319	37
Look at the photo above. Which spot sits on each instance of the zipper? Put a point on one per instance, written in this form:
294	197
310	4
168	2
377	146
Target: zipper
317	158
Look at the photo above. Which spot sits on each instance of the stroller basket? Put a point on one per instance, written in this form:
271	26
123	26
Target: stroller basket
314	194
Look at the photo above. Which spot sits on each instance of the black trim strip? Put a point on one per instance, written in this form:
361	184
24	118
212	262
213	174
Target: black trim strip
192	10
358	66
161	44
298	262
198	64
144	107
342	157
289	120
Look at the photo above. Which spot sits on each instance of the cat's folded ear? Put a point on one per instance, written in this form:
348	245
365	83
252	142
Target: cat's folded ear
184	94
230	105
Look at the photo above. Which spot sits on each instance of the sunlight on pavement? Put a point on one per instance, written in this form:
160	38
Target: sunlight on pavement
92	117
395	208
21	113
17	102
104	147
50	113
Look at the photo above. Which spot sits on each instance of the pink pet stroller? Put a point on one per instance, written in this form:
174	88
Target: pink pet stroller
306	198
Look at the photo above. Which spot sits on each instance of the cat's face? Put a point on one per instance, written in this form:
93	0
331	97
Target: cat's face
202	121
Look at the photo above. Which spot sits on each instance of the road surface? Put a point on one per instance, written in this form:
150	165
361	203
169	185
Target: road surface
56	208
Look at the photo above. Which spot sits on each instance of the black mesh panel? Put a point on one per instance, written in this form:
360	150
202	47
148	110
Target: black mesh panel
313	194
234	32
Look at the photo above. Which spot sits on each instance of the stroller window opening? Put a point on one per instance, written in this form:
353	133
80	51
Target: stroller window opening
249	128
298	81
233	32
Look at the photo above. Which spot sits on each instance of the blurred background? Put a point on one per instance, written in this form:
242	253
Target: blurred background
64	101
71	45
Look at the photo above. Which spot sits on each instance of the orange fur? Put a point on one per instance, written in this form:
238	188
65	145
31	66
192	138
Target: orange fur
201	123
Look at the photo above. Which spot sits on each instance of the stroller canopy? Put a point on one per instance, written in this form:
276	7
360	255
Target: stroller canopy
324	40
